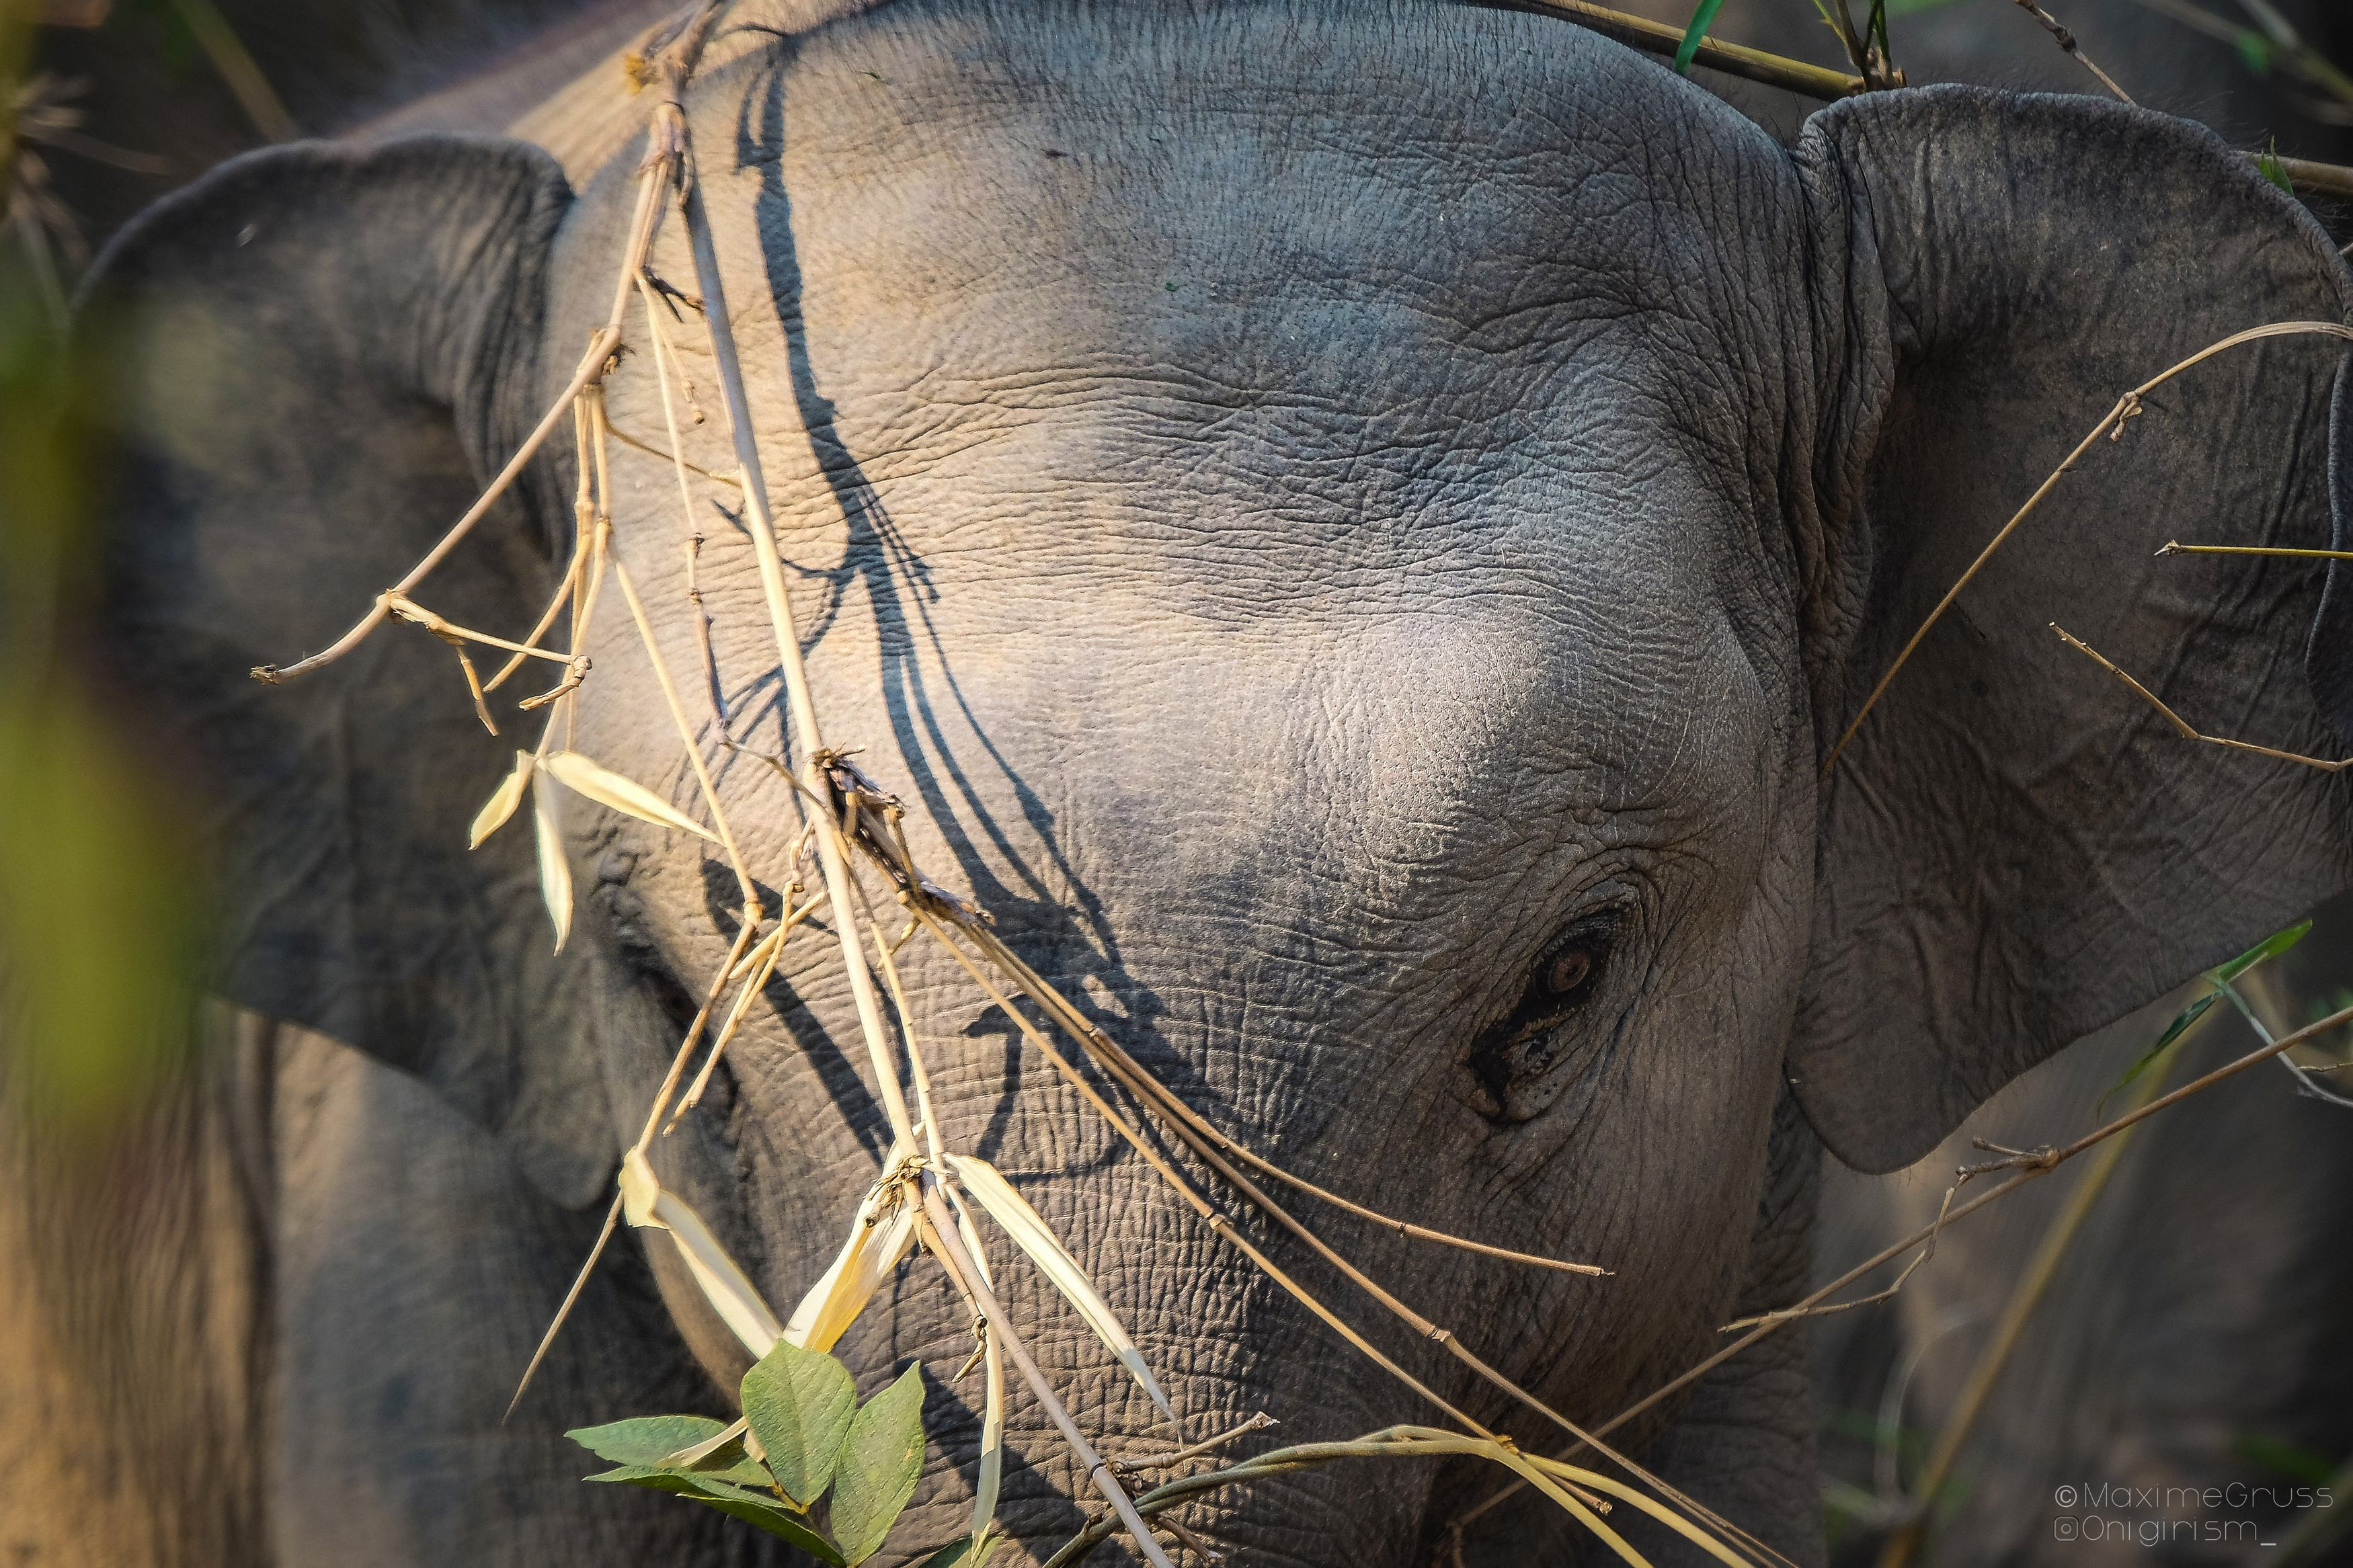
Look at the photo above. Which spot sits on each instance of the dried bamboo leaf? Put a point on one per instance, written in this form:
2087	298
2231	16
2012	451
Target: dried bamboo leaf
554	870
992	1192
625	795
502	802
649	1205
881	1234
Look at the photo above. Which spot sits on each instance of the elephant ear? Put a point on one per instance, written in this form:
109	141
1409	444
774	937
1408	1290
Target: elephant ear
2015	849
322	345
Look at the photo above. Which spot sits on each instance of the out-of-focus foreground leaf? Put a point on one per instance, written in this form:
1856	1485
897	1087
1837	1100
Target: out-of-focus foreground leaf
97	926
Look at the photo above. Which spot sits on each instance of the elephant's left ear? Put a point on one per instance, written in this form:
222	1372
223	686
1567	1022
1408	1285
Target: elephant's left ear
324	349
2015	847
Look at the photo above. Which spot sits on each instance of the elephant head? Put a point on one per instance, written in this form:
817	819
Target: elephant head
1353	533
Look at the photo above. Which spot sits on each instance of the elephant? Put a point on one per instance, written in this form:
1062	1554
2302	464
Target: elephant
1354	534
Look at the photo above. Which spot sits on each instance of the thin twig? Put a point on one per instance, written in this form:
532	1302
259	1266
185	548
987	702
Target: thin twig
405	608
2025	1296
1219	1224
2112	424
1188	1128
2175	547
1732	59
1257	1423
662	1098
564	1310
755	983
2066	42
2181	726
940	1235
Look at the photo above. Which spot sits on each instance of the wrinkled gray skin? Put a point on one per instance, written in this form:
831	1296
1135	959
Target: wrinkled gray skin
1317	513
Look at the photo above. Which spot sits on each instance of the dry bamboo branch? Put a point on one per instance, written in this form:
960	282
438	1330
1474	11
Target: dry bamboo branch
2127	406
1183	1122
755	983
2067	44
780	613
613	1215
751	907
562	596
1259	1421
563	1308
405	608
2182	726
590	366
2175	547
1732	59
940	1235
678	466
1219	1224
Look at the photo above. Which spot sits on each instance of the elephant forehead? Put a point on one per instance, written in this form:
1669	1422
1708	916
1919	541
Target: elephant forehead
1338	251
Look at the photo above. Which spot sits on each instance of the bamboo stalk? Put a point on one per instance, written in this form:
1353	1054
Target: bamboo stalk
1732	59
764	553
940	1235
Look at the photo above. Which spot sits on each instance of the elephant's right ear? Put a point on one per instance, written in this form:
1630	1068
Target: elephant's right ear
2016	848
323	349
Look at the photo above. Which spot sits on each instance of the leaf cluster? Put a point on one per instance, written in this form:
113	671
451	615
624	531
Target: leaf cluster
805	1439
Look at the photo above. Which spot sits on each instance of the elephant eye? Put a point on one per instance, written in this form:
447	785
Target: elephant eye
1570	968
1511	1066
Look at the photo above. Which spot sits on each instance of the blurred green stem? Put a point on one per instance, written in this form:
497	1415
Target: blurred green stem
236	67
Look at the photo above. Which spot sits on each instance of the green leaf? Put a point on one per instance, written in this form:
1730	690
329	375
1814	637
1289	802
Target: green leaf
2269	163
649	1439
879	1465
799	1403
2269	947
960	1553
2254	50
734	1502
1701	20
2149	1059
644	1440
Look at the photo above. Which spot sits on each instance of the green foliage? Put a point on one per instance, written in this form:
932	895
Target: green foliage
650	1439
963	1553
880	1464
2268	161
99	928
802	1411
2293	1461
798	1406
736	1502
1702	19
2269	947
